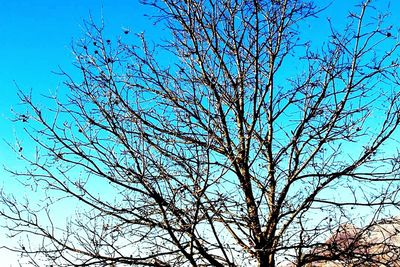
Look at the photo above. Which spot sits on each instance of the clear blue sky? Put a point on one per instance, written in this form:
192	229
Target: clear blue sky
36	37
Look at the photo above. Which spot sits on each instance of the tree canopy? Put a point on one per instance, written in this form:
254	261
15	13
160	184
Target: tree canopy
238	141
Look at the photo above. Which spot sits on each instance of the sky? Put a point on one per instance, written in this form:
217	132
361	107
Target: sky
35	40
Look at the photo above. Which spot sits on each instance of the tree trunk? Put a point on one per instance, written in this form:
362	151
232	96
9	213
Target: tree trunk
266	259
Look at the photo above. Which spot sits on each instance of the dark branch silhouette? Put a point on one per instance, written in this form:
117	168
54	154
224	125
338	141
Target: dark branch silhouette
236	142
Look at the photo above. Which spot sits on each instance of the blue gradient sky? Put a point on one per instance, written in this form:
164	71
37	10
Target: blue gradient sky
36	37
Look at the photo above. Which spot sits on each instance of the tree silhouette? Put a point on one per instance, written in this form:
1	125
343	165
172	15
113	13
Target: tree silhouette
236	142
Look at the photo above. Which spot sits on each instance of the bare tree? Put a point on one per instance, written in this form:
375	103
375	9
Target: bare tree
236	142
